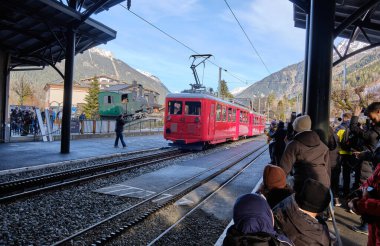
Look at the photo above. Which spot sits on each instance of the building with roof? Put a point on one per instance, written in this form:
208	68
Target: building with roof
105	81
54	95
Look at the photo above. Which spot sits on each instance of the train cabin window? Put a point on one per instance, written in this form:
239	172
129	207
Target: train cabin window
175	107
219	112
234	115
230	119
108	99
224	113
193	108
124	98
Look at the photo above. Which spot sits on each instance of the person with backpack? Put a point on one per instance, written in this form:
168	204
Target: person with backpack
346	160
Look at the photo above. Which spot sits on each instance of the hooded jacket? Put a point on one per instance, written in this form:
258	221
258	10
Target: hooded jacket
309	157
253	224
300	228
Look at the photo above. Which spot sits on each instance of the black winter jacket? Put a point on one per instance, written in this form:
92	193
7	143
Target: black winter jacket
370	137
275	196
332	144
119	125
300	228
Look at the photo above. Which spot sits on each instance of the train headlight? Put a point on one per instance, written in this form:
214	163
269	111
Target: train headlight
168	118
197	119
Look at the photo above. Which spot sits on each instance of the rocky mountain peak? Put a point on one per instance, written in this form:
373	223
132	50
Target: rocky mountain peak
102	52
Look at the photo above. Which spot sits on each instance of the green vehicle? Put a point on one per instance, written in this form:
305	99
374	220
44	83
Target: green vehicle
112	104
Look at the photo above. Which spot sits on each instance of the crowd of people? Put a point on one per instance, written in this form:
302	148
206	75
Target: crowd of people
25	121
291	205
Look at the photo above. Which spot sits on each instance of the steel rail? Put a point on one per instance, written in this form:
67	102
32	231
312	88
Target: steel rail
89	171
151	211
206	198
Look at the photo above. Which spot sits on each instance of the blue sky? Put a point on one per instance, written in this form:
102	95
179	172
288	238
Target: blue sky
208	27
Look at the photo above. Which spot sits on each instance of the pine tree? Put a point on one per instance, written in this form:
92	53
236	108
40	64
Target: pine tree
91	108
225	93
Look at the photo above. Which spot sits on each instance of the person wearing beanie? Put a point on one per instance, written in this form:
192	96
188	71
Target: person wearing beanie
307	155
297	215
274	187
253	224
302	123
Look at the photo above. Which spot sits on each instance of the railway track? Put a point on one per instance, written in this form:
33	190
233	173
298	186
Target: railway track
10	191
119	223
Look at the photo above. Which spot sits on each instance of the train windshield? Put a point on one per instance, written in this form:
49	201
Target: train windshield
175	107
192	108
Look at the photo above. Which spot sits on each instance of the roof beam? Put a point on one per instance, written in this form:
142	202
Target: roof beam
355	16
92	9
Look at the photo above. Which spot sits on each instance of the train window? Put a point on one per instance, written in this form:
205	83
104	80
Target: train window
243	117
175	107
124	98
219	112
234	115
108	100
230	114
193	108
224	113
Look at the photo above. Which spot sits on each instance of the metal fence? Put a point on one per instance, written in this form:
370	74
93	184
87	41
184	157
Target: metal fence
108	126
95	127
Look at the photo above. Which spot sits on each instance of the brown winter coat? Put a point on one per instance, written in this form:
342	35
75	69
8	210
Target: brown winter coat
309	157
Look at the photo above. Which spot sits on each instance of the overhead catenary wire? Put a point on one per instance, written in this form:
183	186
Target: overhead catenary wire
178	41
249	40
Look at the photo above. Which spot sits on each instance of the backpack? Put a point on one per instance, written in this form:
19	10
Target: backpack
349	140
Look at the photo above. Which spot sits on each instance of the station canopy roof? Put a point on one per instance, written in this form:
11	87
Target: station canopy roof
358	19
33	31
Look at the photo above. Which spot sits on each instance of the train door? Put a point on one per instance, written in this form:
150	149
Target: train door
211	122
192	127
175	119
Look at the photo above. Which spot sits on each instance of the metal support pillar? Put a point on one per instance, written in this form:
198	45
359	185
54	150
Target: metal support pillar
306	62
4	96
320	65
220	83
68	90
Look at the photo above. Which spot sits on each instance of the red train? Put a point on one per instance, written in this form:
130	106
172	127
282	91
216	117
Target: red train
195	120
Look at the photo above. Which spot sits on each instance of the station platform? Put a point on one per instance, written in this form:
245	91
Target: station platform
15	157
19	156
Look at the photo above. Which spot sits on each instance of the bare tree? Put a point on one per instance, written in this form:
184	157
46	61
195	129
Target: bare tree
23	89
347	99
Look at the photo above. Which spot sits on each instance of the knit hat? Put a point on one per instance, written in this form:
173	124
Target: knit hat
274	177
314	196
302	123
